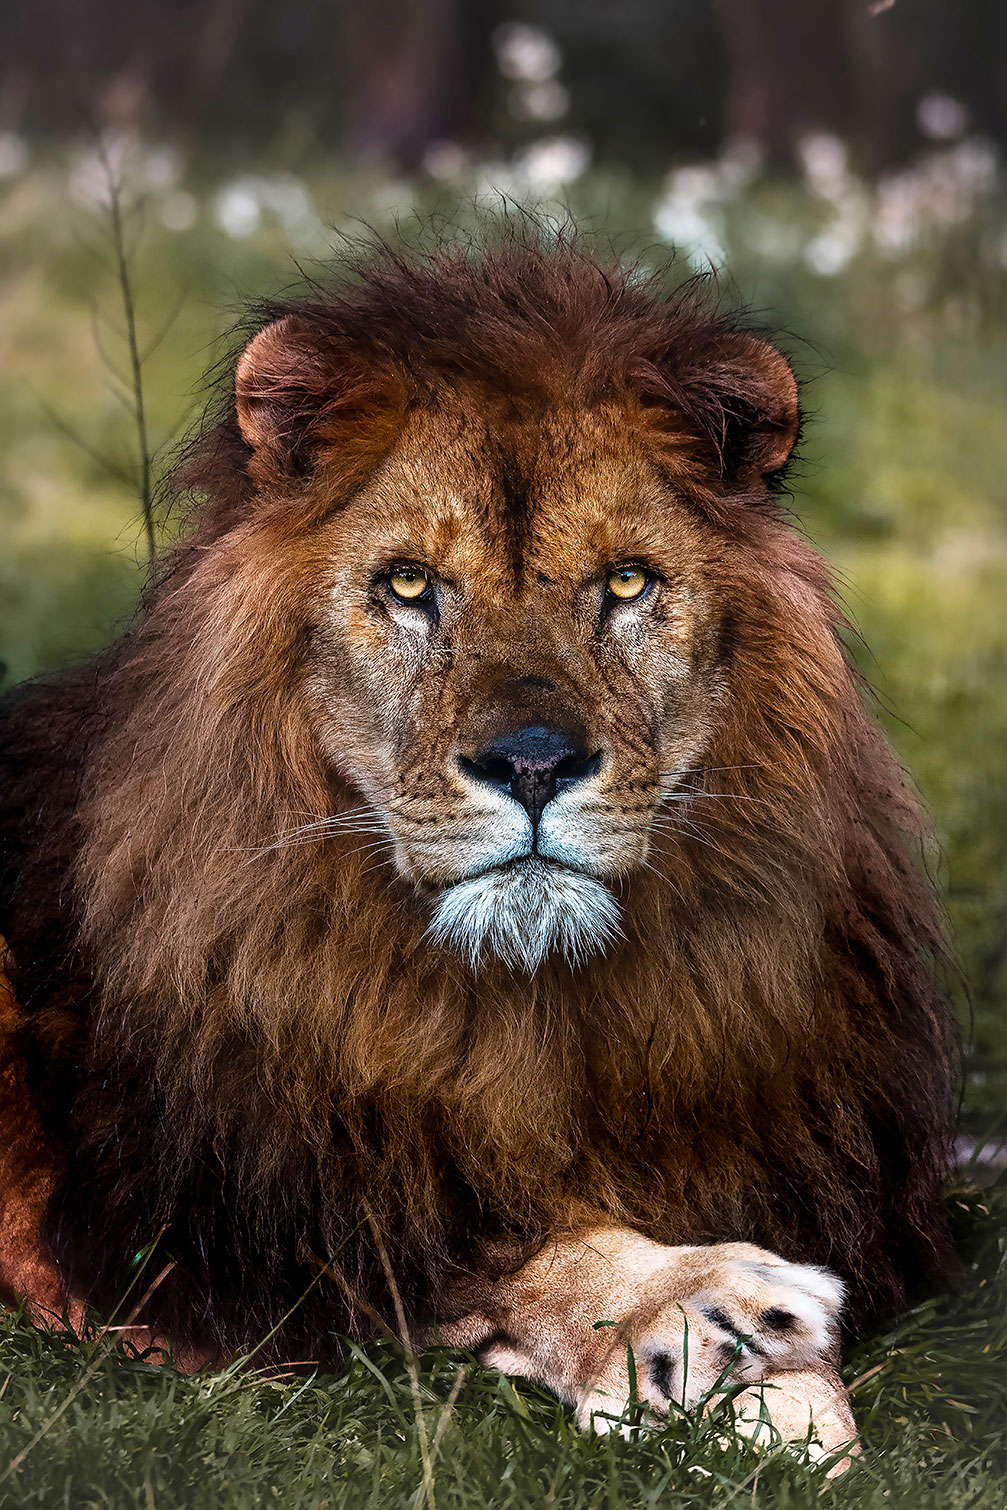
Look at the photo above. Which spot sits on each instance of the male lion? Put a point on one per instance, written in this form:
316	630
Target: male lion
474	878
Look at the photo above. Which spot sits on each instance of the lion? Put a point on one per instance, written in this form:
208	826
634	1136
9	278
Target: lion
475	888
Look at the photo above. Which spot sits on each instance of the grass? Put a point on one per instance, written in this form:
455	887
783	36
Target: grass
902	485
115	1431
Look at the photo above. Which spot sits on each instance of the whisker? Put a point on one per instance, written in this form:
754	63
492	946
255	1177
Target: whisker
667	881
301	837
378	865
316	831
686	794
336	820
710	770
690	831
729	796
364	807
365	849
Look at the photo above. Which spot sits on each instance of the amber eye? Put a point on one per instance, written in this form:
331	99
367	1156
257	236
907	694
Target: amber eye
408	582
628	582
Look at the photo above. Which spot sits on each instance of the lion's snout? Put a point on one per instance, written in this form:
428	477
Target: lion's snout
523	865
533	765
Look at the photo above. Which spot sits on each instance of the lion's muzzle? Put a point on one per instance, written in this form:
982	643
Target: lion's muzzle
539	894
532	765
525	910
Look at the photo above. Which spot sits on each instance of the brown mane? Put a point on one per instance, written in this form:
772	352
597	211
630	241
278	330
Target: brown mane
254	1046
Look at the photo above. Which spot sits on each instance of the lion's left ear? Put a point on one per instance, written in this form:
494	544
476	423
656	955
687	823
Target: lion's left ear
739	393
758	396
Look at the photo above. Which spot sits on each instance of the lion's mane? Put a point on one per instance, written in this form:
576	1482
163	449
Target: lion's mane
247	1050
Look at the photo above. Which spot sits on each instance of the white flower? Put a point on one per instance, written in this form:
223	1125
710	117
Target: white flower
824	159
13	154
552	161
445	160
395	198
526	53
688	215
94	171
495	180
241	206
830	251
740	161
941	117
238	209
974	161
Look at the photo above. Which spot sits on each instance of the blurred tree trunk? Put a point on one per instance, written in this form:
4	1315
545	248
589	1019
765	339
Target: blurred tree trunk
813	65
410	72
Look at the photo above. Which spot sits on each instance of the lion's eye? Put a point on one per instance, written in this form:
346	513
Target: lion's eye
408	582
628	582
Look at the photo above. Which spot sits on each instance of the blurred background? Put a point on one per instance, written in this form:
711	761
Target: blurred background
840	165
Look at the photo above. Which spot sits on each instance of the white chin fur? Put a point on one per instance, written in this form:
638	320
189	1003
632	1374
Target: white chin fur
522	912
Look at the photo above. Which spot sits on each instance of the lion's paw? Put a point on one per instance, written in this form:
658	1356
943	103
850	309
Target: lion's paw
806	1408
730	1313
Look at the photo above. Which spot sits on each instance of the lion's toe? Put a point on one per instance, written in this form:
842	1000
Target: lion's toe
751	1315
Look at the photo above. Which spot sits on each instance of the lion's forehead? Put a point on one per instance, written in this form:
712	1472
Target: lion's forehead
540	503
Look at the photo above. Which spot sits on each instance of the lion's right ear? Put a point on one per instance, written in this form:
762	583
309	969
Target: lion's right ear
280	386
299	390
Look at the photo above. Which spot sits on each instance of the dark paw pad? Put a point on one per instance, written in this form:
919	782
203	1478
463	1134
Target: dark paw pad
662	1371
720	1318
776	1319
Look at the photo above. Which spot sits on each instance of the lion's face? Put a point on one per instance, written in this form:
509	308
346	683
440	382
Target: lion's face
516	660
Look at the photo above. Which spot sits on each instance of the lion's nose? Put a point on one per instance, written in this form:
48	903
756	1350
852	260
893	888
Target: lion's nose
532	764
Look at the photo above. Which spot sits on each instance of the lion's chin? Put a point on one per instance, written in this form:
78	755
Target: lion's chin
524	911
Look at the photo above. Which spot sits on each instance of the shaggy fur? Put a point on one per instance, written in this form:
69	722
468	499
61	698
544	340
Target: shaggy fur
251	1051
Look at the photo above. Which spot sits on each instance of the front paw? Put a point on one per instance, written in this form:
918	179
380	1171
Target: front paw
724	1314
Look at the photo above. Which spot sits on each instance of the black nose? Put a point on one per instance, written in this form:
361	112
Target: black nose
532	764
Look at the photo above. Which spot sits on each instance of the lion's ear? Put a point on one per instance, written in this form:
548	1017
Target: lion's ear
761	411
738	392
280	387
299	388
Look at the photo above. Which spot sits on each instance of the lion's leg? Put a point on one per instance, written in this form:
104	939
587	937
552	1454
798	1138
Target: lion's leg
570	1318
27	1274
25	1180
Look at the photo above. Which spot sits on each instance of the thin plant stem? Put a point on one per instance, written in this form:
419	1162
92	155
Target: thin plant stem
135	359
410	1357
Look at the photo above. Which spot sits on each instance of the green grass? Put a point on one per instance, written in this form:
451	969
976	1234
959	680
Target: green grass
903	487
109	1430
